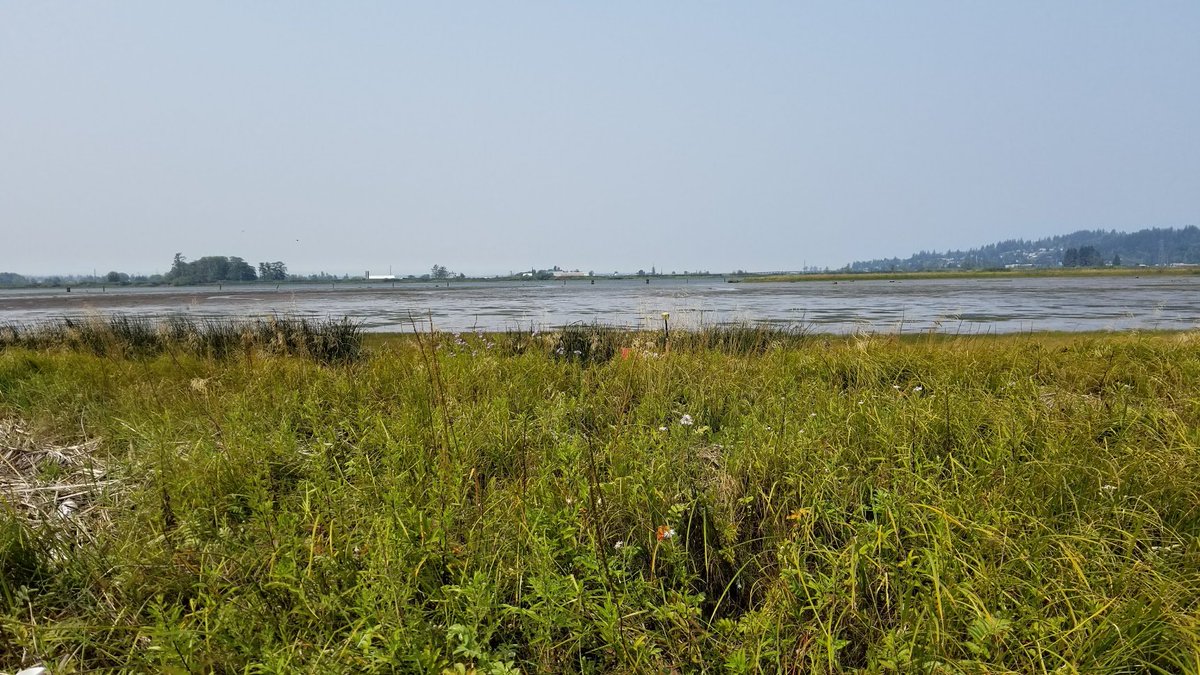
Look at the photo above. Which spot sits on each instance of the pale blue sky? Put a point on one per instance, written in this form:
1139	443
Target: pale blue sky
493	136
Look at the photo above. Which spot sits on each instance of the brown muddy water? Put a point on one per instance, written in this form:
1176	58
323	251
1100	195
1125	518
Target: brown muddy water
966	306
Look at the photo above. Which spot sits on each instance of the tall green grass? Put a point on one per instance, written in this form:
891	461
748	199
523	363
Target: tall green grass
736	502
325	341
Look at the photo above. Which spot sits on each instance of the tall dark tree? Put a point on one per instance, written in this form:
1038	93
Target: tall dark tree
272	271
1089	257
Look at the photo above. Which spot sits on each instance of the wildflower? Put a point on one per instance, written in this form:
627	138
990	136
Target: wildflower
560	351
1108	489
686	420
664	532
666	315
918	388
619	545
662	428
576	352
860	401
896	387
812	414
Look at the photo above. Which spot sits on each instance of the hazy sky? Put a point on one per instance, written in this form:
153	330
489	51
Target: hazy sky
604	136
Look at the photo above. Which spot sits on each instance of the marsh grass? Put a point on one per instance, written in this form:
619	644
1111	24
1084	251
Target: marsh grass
494	503
597	343
325	341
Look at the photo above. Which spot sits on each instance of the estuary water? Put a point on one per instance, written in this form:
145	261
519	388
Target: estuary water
965	306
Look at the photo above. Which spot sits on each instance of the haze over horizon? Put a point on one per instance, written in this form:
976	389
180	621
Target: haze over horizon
490	138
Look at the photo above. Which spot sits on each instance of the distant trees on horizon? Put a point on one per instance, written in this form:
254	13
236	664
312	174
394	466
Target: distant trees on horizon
216	268
1084	256
1151	246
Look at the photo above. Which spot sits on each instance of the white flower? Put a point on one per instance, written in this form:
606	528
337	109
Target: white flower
1108	489
662	428
896	387
619	545
686	420
812	414
669	533
918	388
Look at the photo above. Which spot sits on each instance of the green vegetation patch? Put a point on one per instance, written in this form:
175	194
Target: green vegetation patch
325	341
596	501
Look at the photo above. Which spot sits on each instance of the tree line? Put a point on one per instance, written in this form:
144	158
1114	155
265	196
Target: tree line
215	268
1092	248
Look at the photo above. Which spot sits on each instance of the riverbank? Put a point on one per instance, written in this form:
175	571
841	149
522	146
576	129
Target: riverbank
604	501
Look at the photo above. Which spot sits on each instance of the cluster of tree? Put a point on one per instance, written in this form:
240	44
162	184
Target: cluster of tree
272	271
440	272
1153	246
215	268
12	279
1086	256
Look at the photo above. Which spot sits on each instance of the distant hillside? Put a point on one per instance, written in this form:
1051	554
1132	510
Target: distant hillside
1156	246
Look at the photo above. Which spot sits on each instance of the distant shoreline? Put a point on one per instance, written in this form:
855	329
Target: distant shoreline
732	278
975	274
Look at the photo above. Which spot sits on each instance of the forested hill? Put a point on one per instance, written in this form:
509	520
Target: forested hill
1155	246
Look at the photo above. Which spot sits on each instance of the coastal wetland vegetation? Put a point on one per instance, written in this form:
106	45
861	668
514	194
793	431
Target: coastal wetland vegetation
292	496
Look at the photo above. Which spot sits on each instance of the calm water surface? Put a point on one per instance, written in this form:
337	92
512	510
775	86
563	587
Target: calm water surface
968	306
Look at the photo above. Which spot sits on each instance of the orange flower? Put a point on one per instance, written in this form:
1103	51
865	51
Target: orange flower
664	532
